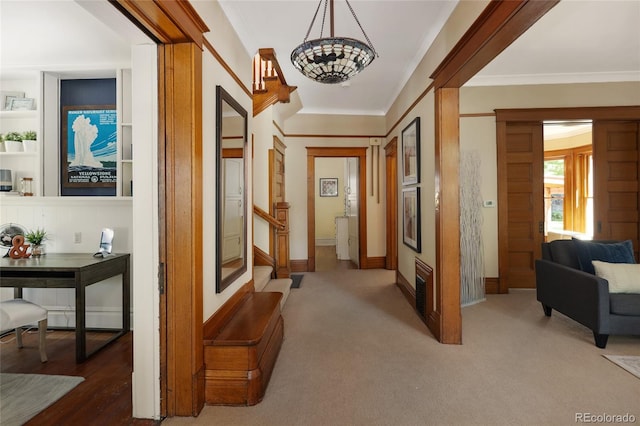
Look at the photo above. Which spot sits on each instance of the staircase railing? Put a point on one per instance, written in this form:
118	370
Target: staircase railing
269	84
280	223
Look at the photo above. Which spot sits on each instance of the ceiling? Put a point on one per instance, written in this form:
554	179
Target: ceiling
560	48
577	41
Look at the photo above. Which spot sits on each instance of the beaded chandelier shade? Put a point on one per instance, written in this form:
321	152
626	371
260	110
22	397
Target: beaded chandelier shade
332	59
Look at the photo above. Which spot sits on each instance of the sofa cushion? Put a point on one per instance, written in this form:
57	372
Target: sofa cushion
622	277
588	251
562	252
624	304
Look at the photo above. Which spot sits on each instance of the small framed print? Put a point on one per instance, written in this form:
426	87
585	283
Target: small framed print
6	98
411	153
411	218
21	104
328	187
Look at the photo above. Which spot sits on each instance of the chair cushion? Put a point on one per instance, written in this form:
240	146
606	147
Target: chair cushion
624	304
588	251
18	312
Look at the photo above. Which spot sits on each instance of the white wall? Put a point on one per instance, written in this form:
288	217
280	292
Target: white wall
327	208
62	218
226	43
296	170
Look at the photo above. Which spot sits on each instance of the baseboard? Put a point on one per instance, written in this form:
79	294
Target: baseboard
378	262
98	317
299	265
407	289
491	285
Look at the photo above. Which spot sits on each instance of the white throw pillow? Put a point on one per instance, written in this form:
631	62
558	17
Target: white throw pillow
622	277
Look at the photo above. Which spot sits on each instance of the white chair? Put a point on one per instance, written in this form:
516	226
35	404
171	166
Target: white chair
16	313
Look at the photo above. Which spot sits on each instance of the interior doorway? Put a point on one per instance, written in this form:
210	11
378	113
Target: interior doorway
336	203
568	180
313	187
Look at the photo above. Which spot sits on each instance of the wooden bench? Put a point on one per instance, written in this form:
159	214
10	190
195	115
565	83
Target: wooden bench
239	359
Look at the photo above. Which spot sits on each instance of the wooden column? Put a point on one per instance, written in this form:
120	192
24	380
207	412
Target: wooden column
283	267
447	155
182	86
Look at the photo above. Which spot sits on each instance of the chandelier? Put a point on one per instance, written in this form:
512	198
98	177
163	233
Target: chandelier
332	59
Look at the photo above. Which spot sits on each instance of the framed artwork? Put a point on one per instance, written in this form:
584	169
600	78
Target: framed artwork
89	146
6	98
411	218
411	153
328	187
21	104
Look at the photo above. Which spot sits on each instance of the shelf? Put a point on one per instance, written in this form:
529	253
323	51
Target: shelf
19	114
18	154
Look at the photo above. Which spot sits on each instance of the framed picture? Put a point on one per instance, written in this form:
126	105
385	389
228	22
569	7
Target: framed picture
328	187
21	104
411	153
6	98
89	146
411	218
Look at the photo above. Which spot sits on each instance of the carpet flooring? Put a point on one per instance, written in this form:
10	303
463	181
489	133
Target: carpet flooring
22	396
356	353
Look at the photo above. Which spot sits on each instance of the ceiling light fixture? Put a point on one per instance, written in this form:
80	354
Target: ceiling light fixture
332	59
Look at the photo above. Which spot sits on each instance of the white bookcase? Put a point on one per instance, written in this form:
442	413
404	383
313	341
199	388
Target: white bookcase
23	164
43	164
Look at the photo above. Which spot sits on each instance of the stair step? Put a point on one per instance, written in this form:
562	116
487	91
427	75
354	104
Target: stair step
281	285
261	276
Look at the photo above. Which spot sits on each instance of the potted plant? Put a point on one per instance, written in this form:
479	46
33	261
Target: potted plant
36	238
29	141
13	142
2	148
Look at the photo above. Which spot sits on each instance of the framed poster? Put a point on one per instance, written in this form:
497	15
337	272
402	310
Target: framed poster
411	153
328	187
89	146
411	218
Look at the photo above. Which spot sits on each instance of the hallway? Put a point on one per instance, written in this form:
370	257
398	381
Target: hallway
356	353
326	260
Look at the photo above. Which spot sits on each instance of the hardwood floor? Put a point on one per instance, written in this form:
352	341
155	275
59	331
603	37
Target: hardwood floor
326	260
103	398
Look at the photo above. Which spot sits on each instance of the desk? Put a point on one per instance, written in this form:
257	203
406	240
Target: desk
70	270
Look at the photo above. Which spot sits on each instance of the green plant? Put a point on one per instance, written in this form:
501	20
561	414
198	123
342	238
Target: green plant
29	135
13	136
36	237
1	138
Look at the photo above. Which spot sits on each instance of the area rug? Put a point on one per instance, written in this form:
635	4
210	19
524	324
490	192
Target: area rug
629	363
297	279
22	396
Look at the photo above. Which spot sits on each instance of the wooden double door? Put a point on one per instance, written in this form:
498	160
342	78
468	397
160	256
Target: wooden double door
616	171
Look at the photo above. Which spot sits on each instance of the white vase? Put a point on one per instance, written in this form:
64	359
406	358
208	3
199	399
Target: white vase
13	146
30	145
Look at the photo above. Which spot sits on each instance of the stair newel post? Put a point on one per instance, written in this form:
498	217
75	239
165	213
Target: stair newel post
283	269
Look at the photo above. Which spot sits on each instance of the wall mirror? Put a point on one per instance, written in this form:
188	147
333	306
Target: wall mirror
231	220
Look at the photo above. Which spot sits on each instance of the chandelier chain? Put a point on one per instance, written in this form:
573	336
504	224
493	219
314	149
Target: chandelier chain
324	17
314	20
361	29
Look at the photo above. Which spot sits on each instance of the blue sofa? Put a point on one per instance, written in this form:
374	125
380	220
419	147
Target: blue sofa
565	282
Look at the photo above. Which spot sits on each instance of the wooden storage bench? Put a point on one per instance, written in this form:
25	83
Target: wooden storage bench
240	358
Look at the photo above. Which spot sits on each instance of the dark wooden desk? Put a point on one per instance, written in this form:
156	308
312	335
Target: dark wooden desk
70	270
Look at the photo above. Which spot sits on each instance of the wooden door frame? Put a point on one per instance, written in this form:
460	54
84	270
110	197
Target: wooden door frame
506	116
179	32
391	170
278	146
336	152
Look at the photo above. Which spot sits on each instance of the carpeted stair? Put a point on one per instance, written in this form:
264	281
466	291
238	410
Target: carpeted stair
263	282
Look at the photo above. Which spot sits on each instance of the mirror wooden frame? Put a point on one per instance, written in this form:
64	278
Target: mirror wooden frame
222	96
